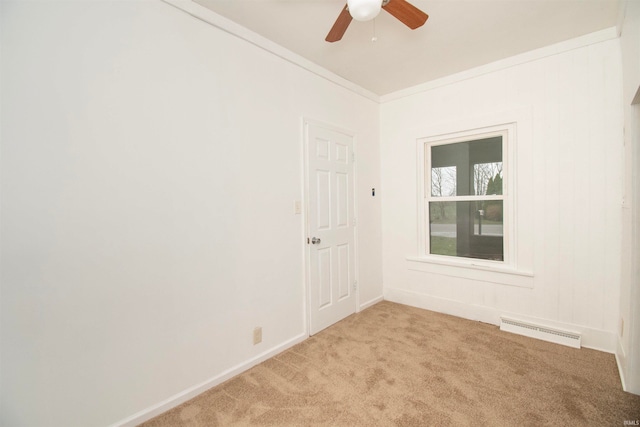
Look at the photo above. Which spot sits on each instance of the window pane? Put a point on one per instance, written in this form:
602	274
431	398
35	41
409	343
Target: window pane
467	168
443	181
467	229
487	178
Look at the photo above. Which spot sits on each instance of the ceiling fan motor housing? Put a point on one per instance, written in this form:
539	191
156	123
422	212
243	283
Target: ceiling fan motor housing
364	10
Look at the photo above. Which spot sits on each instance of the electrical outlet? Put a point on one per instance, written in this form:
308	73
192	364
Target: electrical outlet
257	335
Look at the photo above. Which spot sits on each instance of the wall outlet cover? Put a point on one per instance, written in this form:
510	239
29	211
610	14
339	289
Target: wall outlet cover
257	335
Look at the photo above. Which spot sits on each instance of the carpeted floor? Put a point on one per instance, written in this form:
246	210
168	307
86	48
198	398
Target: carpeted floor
393	365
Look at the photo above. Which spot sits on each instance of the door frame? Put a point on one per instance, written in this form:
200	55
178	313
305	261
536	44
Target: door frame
306	122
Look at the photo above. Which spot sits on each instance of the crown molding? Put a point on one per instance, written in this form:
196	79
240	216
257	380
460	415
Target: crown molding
208	16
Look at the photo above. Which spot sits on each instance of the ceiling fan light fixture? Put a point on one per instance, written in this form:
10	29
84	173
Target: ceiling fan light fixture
364	10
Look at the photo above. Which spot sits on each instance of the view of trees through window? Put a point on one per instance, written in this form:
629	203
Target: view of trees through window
487	179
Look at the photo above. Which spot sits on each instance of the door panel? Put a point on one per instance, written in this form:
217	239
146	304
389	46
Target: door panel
343	271
330	198
324	277
323	199
342	197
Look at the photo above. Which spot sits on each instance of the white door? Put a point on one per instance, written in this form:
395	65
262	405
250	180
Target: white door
330	226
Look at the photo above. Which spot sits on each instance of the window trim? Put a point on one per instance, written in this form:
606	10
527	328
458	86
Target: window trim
509	140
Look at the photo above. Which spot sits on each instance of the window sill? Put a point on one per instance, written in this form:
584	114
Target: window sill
468	270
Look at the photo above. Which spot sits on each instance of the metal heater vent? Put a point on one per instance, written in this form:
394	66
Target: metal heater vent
545	333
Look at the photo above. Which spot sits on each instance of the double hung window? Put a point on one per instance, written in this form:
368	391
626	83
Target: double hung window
465	200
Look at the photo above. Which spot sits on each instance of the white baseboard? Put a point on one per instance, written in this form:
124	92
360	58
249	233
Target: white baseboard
183	396
371	302
591	338
621	361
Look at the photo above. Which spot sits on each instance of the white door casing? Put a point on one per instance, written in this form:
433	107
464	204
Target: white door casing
331	225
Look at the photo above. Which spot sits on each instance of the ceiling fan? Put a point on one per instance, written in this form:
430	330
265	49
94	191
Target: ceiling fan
365	10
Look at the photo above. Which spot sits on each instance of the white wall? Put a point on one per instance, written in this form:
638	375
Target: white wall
568	196
628	351
150	164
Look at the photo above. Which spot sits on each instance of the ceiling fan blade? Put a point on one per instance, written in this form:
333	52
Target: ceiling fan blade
340	26
407	13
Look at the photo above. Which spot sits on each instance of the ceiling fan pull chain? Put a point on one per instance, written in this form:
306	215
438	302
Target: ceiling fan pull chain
374	38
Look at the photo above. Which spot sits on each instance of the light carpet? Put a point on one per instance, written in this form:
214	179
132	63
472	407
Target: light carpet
394	365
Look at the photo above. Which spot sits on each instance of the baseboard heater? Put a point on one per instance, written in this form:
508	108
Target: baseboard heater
545	333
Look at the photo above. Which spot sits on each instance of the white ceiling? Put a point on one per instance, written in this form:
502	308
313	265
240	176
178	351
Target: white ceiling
459	34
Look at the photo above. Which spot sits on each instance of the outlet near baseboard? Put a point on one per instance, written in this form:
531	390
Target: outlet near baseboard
257	335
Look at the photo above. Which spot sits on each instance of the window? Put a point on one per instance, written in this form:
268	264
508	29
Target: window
475	198
465	199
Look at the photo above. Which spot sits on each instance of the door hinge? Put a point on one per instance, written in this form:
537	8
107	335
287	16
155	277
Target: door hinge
353	222
353	156
355	285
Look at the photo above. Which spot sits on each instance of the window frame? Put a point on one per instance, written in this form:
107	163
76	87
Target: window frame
508	133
